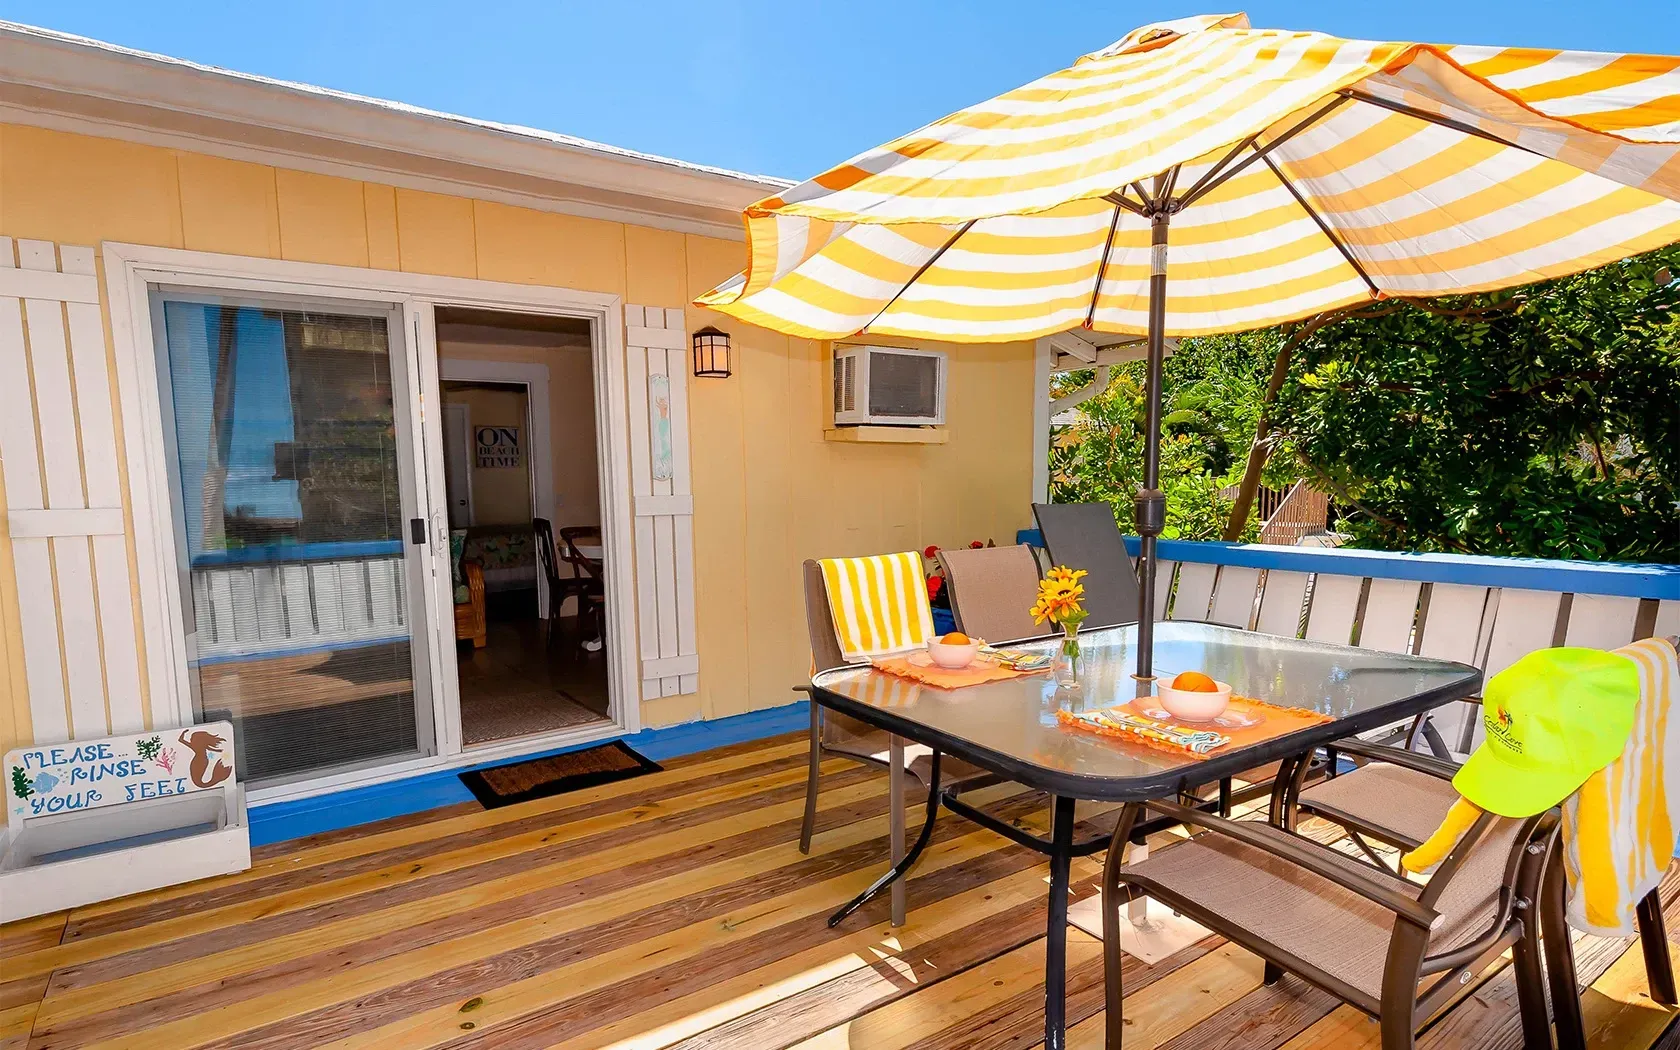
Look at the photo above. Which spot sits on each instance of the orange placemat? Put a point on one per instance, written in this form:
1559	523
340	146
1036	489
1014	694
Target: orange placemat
1278	721
934	675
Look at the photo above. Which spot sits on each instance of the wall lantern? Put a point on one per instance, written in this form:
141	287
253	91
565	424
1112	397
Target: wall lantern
711	353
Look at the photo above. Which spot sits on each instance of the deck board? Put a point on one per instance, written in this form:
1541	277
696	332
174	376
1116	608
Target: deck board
674	911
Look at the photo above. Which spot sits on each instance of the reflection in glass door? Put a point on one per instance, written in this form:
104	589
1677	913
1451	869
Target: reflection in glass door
293	493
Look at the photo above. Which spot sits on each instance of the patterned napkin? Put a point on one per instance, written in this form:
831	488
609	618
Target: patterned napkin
1117	721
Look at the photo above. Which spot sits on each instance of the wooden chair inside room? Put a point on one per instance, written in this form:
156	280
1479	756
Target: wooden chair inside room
591	605
586	587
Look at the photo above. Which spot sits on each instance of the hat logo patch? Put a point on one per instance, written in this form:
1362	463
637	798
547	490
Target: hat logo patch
1499	728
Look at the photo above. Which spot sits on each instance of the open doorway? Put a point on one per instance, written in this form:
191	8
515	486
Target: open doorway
524	497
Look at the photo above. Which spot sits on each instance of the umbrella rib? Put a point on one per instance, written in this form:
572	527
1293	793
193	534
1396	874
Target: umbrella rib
918	274
1213	172
1435	118
1323	226
1102	266
1119	198
1201	190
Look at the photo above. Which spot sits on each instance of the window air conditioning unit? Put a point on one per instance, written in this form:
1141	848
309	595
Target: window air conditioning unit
888	385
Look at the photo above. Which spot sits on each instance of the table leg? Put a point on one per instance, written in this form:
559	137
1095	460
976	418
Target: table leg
900	869
895	807
1055	934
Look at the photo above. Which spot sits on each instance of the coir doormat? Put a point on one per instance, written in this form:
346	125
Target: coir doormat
556	774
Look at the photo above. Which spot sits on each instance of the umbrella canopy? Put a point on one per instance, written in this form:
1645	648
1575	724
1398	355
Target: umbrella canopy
1290	173
1367	169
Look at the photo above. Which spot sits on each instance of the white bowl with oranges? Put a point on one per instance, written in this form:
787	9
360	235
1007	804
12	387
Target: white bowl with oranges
954	651
1194	697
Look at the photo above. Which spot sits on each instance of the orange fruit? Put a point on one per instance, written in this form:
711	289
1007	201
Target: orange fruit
954	638
1195	682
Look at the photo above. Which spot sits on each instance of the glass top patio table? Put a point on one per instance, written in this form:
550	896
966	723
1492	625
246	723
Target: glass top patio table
1010	727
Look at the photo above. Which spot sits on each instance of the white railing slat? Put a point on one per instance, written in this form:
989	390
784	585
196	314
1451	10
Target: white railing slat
1233	600
1601	621
1390	611
1335	604
1195	591
1281	602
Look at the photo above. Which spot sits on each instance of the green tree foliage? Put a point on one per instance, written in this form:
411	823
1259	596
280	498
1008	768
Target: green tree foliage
1542	422
1210	403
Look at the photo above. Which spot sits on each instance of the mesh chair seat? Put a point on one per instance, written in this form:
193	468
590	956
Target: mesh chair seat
1408	803
1310	917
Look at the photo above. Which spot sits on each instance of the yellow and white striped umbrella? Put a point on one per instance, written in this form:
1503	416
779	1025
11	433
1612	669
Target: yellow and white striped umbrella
1301	172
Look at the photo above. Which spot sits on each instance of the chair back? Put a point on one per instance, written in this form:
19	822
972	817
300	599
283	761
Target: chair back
570	537
1475	887
838	730
819	621
992	591
547	560
1086	536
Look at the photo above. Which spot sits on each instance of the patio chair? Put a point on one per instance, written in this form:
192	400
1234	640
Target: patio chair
992	591
1086	536
835	734
1398	798
1394	949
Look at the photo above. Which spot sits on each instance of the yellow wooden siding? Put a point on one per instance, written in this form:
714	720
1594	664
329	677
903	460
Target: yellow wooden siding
769	491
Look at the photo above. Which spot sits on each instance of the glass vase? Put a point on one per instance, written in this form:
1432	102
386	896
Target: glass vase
1067	659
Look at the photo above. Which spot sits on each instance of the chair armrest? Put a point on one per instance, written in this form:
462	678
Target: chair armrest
802	689
1302	856
1397	756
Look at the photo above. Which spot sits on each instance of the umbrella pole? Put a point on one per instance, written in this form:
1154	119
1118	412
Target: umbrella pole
1151	502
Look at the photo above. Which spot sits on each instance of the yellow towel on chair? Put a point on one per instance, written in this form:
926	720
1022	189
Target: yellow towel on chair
879	603
1619	829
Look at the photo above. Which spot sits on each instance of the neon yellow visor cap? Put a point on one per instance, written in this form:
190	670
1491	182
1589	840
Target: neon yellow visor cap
1553	719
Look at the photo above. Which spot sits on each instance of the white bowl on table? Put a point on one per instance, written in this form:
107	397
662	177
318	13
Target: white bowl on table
1192	705
952	657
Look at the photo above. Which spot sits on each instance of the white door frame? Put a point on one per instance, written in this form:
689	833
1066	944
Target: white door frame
533	376
130	268
464	410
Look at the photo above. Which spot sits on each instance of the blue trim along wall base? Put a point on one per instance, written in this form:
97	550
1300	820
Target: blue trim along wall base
280	821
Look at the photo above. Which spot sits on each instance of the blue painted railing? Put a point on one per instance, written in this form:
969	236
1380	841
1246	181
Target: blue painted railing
1628	580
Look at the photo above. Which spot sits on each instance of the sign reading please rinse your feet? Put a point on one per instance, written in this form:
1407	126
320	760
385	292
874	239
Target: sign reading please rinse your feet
88	774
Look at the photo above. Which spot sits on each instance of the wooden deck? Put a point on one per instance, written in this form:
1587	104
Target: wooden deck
672	910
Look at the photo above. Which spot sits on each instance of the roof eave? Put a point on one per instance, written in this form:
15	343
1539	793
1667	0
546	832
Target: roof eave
133	91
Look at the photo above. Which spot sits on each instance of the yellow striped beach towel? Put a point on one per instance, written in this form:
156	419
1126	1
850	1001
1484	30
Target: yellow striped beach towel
879	603
1619	829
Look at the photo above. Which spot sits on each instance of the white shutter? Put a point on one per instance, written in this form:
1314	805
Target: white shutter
63	498
656	370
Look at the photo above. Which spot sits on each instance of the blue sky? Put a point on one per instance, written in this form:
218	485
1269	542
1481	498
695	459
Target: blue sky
786	88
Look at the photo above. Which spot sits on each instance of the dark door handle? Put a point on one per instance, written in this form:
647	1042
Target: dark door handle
417	530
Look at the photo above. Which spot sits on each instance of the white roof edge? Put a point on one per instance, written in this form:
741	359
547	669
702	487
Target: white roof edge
61	62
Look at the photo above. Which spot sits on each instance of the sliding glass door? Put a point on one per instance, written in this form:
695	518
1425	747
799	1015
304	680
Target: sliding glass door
300	528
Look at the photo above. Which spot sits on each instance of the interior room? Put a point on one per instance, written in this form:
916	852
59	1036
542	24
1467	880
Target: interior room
523	487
